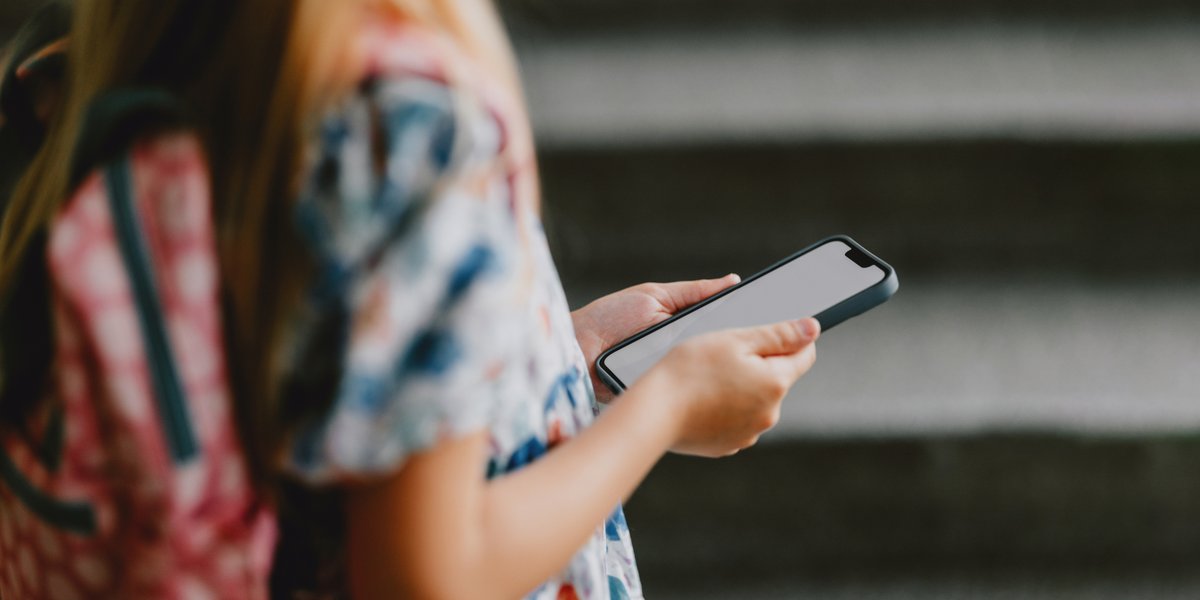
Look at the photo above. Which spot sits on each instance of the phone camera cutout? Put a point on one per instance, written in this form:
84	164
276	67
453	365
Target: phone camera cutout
860	258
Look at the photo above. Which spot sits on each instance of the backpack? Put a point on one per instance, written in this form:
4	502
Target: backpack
128	479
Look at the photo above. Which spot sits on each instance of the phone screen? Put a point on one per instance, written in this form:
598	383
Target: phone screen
802	287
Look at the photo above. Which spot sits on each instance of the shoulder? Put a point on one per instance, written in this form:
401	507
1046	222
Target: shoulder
383	155
407	65
416	75
421	111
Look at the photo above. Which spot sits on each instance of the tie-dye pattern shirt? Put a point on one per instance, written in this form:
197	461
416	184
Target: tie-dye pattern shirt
436	293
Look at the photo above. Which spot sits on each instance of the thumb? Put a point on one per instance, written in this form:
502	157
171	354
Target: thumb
786	337
682	294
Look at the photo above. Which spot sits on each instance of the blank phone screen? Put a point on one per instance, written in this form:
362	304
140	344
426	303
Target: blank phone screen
803	287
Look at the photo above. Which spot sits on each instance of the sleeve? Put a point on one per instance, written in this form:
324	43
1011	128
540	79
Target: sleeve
414	311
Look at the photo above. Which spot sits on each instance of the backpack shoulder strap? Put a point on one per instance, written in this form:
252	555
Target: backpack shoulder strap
164	374
114	122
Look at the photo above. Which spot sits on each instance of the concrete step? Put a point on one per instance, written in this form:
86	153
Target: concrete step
979	209
746	72
948	516
942	584
573	18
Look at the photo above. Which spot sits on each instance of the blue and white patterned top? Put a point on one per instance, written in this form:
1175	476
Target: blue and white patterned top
436	293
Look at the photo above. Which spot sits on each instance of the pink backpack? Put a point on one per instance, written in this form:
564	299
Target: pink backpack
130	480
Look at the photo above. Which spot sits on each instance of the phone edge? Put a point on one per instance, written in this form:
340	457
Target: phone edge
853	306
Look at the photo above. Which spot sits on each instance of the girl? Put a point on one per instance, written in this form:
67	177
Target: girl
397	337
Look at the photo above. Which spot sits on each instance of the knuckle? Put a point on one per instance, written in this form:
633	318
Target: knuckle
777	387
771	420
765	421
786	380
779	333
788	333
754	334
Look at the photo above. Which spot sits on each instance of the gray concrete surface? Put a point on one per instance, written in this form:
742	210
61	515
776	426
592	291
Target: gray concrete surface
1003	356
946	516
1067	212
964	79
1136	586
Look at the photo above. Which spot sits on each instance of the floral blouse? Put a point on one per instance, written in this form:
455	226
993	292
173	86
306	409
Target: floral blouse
436	293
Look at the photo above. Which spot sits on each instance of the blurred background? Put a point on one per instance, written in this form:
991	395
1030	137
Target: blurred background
1020	420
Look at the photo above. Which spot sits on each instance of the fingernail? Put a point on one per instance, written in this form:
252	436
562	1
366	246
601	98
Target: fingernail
735	277
809	328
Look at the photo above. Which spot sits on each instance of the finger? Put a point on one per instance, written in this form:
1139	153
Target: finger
793	366
682	294
786	337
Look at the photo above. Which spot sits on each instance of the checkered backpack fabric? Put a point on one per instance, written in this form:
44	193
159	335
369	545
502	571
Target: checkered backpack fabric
128	479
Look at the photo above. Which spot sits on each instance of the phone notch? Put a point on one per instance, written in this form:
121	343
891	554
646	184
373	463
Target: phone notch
860	258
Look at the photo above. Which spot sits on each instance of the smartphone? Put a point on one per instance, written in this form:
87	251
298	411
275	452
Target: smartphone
832	280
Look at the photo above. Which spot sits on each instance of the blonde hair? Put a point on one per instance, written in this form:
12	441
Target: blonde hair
254	74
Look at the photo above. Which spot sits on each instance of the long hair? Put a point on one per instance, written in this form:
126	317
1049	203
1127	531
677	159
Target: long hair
254	75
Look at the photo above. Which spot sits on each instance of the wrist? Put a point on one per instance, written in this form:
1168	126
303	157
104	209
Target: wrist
658	397
585	331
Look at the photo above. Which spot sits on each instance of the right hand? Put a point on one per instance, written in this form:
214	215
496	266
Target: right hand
729	384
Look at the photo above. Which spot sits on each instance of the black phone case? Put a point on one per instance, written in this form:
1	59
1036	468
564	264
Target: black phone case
828	318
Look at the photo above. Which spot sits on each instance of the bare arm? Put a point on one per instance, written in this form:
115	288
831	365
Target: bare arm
438	529
499	539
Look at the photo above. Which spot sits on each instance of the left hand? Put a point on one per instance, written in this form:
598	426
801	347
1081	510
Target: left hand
612	318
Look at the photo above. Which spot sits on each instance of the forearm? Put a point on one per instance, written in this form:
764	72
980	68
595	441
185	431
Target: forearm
536	518
439	530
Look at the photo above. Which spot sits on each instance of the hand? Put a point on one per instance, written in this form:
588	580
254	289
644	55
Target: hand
729	384
608	320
